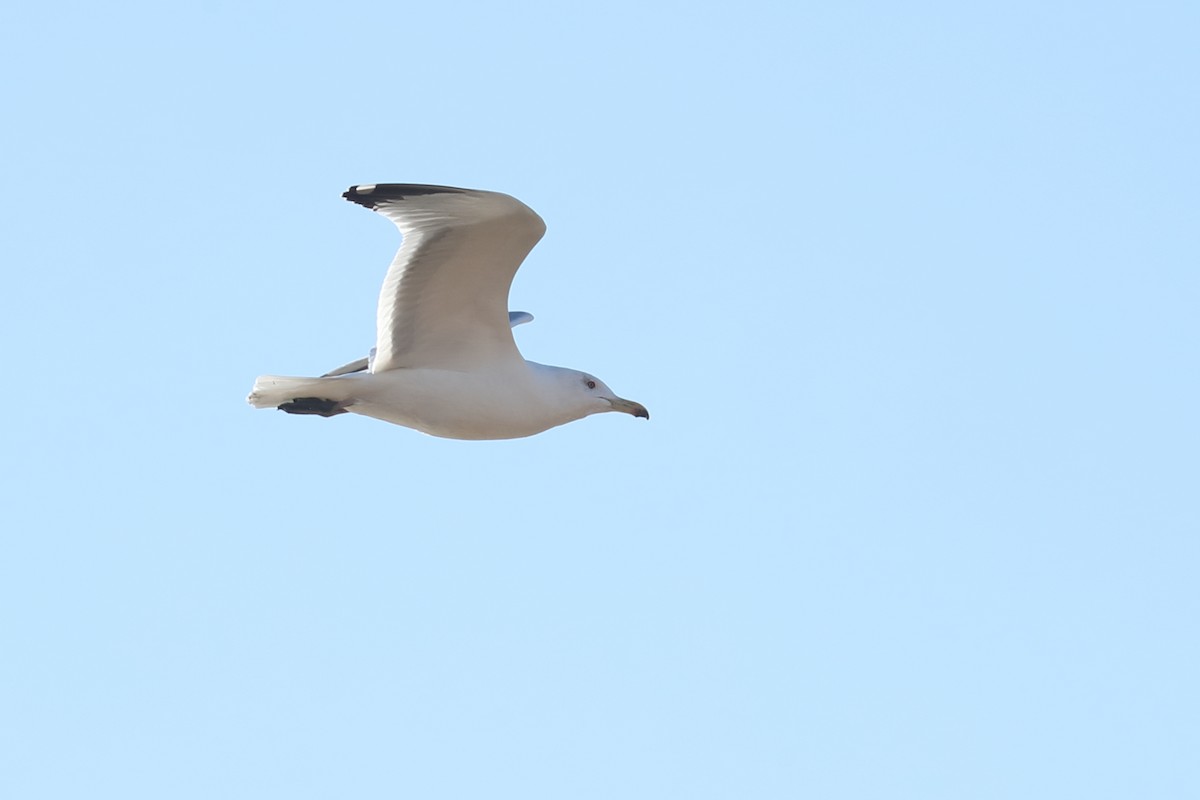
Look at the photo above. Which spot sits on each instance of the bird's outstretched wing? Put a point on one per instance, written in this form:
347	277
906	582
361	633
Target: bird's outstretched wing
444	302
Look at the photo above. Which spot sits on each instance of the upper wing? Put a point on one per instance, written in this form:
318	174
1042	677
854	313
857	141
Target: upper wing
444	302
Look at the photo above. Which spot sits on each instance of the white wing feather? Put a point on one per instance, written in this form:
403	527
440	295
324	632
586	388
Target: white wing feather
444	302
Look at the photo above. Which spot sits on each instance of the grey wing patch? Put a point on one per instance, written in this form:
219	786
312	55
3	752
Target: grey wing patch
516	318
356	366
346	369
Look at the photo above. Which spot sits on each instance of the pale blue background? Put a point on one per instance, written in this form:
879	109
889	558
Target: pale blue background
911	292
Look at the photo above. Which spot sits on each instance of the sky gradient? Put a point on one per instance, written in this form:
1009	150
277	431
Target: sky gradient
911	294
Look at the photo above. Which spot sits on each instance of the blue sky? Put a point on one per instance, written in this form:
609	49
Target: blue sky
910	293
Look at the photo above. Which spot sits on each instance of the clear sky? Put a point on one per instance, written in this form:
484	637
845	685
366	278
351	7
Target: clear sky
910	290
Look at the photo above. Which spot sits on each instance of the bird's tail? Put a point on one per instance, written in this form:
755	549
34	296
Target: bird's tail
296	395
272	391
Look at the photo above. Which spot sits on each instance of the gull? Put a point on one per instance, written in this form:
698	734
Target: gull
445	362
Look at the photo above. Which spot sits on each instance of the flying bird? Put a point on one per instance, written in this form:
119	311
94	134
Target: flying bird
445	362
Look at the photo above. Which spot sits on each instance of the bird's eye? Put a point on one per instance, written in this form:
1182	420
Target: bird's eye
591	384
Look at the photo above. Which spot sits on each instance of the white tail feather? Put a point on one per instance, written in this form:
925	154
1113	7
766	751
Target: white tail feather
272	391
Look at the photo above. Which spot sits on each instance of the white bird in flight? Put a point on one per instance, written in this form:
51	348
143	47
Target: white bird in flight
444	361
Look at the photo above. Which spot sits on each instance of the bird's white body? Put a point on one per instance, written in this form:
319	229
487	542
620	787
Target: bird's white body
511	401
445	361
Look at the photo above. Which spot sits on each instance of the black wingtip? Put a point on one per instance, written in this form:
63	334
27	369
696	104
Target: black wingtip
372	194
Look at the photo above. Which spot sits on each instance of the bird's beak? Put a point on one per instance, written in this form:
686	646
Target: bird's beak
629	407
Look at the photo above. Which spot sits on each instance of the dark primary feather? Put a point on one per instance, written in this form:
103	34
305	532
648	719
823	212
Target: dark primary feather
372	194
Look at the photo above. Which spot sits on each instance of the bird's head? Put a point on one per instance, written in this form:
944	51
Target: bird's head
607	400
586	394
